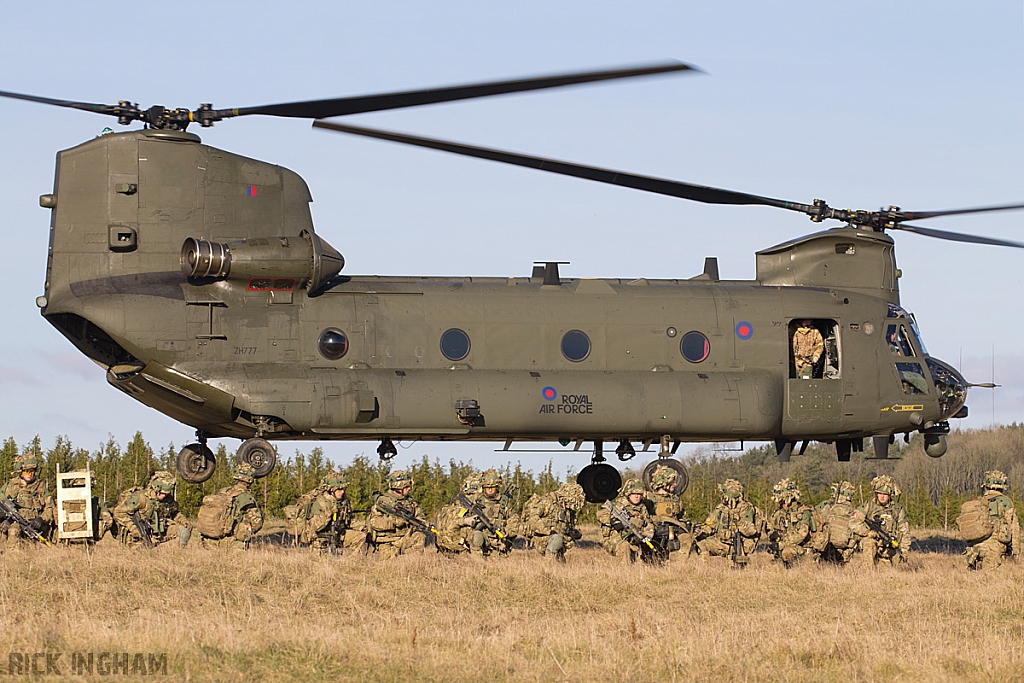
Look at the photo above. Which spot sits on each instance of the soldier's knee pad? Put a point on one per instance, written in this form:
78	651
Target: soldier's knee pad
556	544
184	534
477	540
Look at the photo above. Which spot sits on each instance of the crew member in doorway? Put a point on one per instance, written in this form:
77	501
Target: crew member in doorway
807	348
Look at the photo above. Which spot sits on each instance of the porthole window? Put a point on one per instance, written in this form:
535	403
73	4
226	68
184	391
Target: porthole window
455	344
333	344
575	345
695	347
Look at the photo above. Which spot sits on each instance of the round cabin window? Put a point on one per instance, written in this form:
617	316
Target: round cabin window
575	345
333	344
695	347
455	344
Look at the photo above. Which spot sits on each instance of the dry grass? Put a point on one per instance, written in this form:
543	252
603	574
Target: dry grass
283	615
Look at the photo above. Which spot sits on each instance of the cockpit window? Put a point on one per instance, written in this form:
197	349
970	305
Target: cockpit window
912	378
897	312
917	336
898	341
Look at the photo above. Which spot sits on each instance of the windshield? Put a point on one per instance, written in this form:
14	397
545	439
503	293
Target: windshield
901	313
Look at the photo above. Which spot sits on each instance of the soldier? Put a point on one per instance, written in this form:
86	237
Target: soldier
328	527
807	348
231	518
1004	540
495	507
400	530
668	514
891	535
549	520
792	525
837	513
455	523
31	497
733	527
155	510
621	540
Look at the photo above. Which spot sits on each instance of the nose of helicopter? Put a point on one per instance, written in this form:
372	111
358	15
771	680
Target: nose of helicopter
950	386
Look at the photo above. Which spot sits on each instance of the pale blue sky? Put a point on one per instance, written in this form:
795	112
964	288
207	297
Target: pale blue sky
863	104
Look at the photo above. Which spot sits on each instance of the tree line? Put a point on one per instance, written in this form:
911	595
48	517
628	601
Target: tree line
933	488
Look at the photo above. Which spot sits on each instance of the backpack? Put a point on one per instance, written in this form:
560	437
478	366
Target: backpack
820	537
837	525
296	515
216	517
974	521
531	512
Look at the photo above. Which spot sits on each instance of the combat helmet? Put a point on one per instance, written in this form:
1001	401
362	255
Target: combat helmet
731	490
996	480
26	463
490	479
162	482
786	491
244	472
399	479
632	486
843	491
471	484
885	484
664	477
571	495
333	482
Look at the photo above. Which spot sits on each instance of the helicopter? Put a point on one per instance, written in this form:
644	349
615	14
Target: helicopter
196	279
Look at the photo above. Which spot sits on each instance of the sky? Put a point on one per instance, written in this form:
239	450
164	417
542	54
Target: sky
868	104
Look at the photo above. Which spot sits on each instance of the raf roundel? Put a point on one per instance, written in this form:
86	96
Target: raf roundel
744	330
549	393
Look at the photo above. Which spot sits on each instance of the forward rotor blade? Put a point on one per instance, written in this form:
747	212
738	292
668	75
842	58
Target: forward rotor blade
84	106
956	236
672	188
320	109
921	215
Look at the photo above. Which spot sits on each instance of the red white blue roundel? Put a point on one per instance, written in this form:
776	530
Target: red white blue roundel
744	330
549	393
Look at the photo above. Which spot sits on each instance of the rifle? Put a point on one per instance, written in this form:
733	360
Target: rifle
144	529
10	510
773	542
623	519
477	510
889	542
737	546
413	520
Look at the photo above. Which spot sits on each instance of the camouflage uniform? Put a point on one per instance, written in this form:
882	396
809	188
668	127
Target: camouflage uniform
32	498
733	515
392	535
668	513
807	349
454	523
792	525
157	509
549	520
618	539
247	515
1005	539
496	508
837	512
892	518
329	526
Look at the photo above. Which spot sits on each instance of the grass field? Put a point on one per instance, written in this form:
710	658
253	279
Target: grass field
279	614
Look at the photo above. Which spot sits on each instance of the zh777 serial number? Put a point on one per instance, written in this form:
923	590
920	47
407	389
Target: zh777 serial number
245	350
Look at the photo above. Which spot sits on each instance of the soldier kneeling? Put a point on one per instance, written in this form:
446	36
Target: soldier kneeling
149	516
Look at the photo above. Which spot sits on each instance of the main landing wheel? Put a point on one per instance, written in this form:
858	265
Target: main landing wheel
684	479
259	453
600	482
196	463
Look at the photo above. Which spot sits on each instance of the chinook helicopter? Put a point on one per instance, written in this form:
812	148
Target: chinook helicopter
195	278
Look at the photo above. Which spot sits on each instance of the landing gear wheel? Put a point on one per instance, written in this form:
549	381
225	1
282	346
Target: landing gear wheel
259	453
196	463
684	478
600	482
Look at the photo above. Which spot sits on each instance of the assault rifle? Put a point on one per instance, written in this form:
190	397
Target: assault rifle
10	510
413	520
737	546
627	525
477	510
144	529
889	542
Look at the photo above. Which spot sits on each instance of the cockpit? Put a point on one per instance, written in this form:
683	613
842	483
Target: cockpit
911	361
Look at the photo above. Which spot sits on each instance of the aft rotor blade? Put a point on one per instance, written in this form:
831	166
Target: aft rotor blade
672	188
921	215
956	236
84	106
320	109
